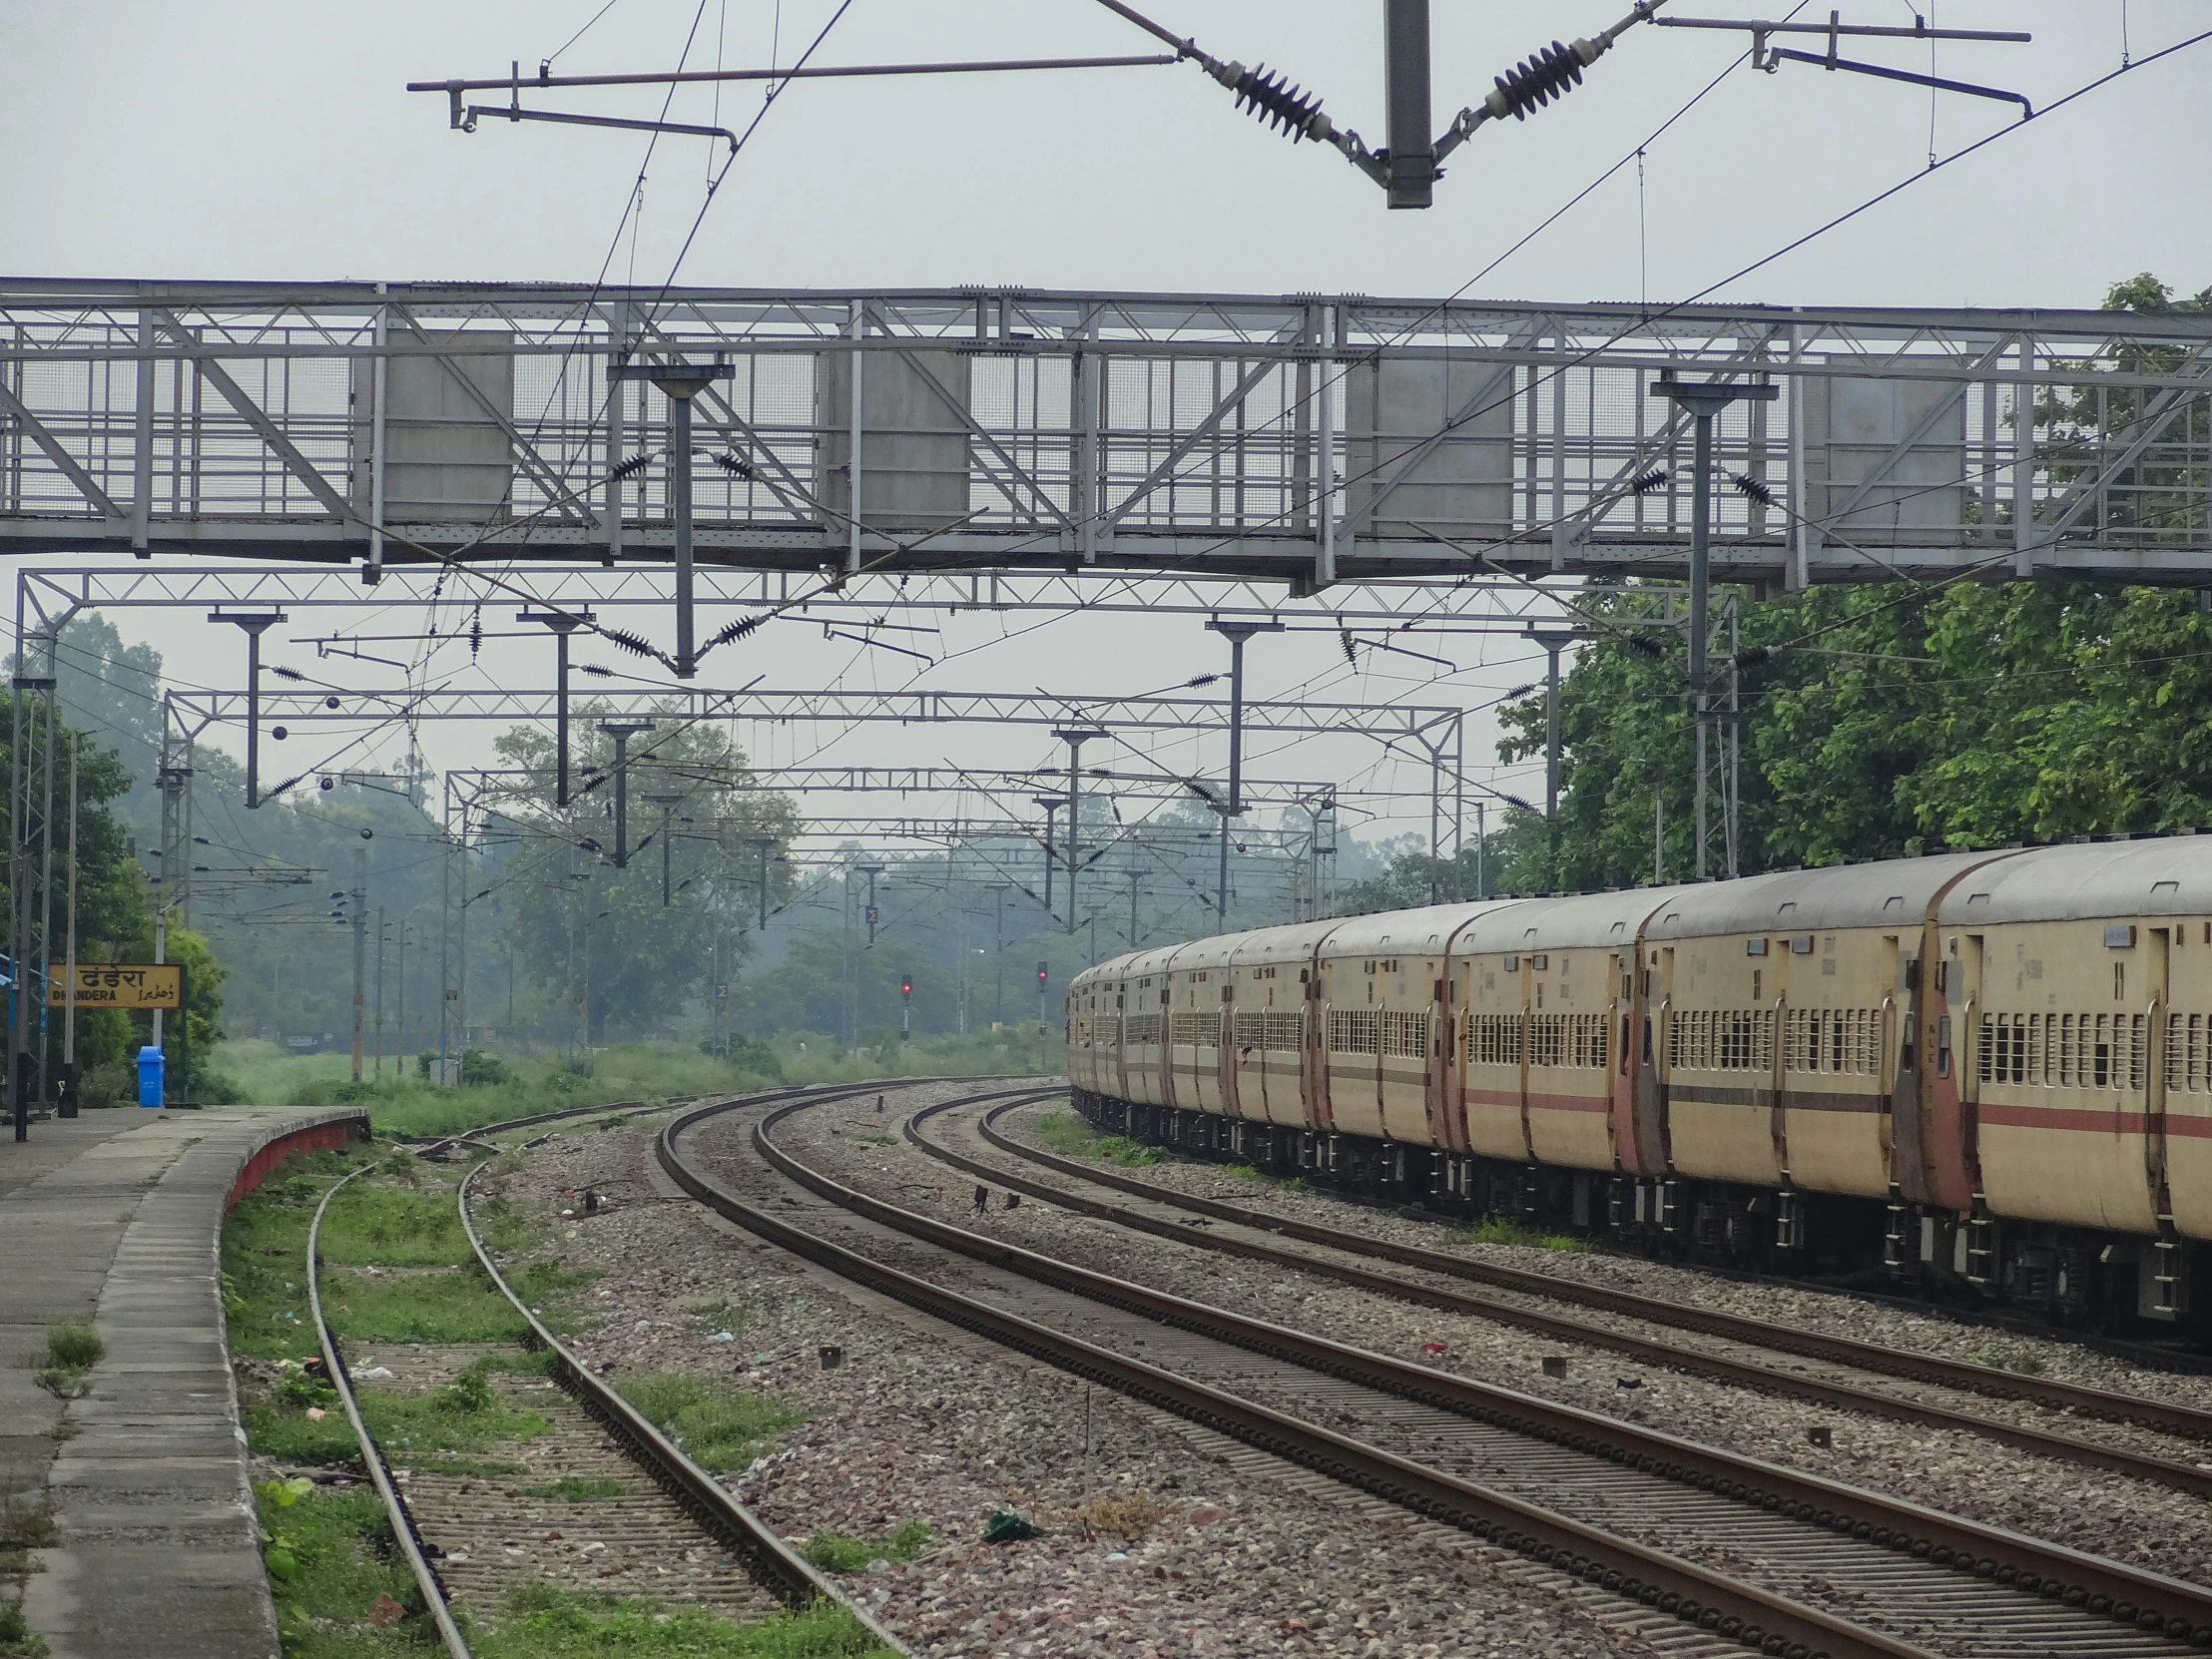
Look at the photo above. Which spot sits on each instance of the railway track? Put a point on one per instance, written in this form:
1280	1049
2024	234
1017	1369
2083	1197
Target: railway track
627	1439
1765	1557
2105	1405
1259	1236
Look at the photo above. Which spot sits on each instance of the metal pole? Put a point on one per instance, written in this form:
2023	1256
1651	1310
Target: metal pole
1237	633
380	993
445	953
680	492
1701	531
1051	805
1221	878
253	717
563	624
46	882
19	827
679	382
764	842
69	968
871	872
360	952
668	804
373	571
1734	817
255	626
998	956
1331	323
1075	740
1412	165
400	1044
1702	401
1481	852
622	731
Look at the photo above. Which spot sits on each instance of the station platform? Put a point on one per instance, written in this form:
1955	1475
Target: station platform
117	1216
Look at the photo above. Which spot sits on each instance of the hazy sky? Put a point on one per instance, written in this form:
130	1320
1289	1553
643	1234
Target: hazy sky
264	141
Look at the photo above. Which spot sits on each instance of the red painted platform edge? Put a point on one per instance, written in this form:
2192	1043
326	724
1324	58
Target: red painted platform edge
316	1137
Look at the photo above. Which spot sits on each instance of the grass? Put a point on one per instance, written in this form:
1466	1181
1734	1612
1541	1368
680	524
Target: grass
843	1552
719	1427
647	1071
1067	1134
2022	1361
27	1525
1071	1137
405	1424
542	1622
336	1548
264	1248
1502	1230
73	1347
397	1228
1120	1149
329	1551
459	1307
580	1488
16	1637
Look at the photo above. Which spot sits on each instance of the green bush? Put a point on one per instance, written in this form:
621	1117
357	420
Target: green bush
73	1344
480	1070
115	1084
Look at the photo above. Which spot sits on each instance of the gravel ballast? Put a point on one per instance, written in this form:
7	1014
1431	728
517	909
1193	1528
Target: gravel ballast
1161	1540
2131	1520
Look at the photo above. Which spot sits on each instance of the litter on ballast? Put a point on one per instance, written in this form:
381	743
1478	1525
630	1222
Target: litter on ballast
1006	1526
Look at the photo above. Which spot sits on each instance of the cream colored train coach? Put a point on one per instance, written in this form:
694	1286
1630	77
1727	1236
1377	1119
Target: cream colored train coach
1990	1070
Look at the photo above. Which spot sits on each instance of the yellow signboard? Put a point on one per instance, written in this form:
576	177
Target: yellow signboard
122	986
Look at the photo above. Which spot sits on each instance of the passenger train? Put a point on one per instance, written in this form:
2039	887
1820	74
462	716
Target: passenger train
1991	1071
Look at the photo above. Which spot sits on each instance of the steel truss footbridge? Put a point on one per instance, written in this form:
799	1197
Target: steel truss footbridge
1308	439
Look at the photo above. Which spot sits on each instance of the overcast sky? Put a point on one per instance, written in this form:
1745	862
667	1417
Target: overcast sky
268	140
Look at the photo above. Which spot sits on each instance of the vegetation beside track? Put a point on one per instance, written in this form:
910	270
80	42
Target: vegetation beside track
396	1270
498	1087
1071	1137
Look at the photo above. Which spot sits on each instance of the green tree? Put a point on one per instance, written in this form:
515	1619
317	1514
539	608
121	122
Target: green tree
567	902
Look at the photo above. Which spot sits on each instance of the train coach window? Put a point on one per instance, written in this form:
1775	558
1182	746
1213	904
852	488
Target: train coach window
1942	1046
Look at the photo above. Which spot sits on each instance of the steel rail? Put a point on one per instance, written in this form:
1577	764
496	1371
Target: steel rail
1772	1378
372	1456
2107	1405
795	1581
2150	1600
1683	1589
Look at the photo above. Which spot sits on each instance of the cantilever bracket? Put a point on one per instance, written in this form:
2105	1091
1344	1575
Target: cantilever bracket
1830	61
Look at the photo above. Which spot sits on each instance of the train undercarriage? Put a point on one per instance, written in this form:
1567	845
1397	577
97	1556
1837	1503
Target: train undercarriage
2111	1284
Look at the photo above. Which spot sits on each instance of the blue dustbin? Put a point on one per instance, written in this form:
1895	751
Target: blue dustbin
151	1065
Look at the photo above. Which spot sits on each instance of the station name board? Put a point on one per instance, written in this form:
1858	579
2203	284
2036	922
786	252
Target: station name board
122	986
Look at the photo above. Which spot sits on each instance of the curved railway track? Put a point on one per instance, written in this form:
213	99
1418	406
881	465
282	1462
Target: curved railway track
1773	1559
2102	1404
1259	1235
785	1577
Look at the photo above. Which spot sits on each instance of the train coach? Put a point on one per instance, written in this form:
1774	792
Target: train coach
1991	1071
